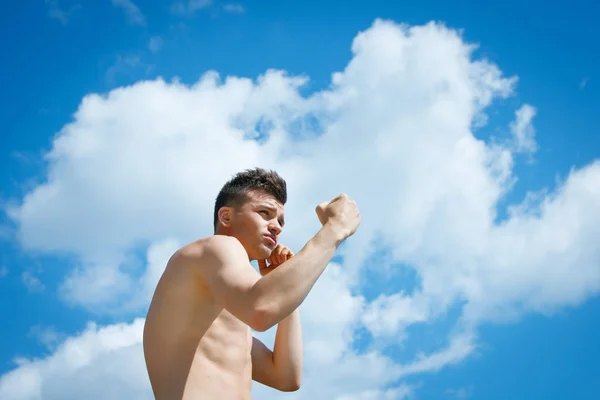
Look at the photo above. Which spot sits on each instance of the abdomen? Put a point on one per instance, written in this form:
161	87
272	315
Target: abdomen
222	363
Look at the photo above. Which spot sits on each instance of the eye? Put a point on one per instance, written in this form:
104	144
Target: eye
264	212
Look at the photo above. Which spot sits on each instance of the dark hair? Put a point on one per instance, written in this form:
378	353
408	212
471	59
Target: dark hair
234	192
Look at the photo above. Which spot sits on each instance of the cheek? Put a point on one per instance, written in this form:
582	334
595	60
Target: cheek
258	222
252	227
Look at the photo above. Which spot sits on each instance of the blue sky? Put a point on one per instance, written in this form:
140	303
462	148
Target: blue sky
57	52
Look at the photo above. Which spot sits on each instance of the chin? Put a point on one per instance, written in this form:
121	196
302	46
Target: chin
264	251
260	252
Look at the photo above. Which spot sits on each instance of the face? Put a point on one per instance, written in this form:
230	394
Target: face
257	224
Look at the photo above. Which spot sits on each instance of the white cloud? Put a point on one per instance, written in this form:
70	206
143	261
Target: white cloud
460	347
142	165
108	288
99	363
386	315
523	131
331	368
133	12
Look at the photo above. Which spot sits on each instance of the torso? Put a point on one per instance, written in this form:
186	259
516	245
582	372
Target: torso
195	349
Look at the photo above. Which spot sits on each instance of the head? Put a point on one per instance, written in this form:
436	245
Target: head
250	208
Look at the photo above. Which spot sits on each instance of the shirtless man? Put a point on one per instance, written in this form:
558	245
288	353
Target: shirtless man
198	342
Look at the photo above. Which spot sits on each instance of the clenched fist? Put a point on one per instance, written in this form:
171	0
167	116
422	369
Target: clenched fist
341	214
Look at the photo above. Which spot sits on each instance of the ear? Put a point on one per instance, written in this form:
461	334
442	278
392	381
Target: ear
225	215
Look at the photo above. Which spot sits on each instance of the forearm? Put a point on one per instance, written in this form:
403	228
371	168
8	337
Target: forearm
287	351
282	291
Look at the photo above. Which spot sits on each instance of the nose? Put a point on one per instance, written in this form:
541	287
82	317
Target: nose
275	228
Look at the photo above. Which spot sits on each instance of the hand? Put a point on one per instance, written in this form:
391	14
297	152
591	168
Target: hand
341	214
279	255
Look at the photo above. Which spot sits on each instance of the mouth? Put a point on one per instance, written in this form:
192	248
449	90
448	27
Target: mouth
271	241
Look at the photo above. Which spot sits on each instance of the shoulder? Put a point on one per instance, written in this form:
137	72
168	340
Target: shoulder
211	249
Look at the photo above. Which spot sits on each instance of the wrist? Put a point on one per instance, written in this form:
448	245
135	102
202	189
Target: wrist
332	234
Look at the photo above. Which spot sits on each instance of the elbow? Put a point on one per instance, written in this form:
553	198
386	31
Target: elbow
261	319
292	385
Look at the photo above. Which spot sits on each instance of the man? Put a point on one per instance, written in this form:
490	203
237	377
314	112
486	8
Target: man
198	342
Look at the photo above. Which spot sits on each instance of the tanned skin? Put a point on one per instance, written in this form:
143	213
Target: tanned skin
197	340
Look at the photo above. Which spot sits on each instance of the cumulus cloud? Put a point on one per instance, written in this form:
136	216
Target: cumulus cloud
82	365
109	288
140	166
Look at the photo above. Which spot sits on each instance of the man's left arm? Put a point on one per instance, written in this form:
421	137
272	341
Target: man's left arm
281	368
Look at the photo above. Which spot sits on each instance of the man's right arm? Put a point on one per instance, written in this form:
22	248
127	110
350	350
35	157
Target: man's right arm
282	290
261	302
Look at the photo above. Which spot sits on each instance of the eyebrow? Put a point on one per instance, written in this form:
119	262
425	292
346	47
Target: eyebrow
273	209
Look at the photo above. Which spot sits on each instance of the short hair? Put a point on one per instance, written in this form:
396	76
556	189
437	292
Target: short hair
235	192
